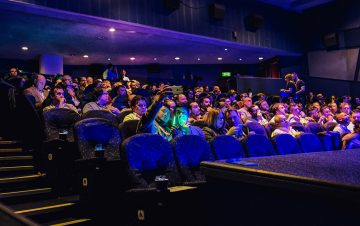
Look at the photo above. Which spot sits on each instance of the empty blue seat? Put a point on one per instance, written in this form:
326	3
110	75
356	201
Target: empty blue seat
225	147
310	143
96	131
101	114
258	145
286	144
189	151
59	119
147	156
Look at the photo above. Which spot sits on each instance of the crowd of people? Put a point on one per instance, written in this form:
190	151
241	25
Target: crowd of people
203	111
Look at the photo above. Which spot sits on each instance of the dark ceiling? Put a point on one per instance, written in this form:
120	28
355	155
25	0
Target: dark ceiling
44	30
296	5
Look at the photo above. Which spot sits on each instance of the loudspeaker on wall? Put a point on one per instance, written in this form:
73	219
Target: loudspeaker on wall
253	22
216	11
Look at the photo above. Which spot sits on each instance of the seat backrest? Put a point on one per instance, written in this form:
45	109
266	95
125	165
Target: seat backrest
128	128
258	145
225	147
57	120
335	139
298	127
286	144
120	117
189	151
94	131
256	127
147	156
314	127
329	126
310	143
100	114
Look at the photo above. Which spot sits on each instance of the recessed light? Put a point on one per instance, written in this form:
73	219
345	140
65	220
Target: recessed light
177	58
219	58
25	48
109	58
112	29
132	58
198	58
226	49
155	58
240	59
86	56
261	58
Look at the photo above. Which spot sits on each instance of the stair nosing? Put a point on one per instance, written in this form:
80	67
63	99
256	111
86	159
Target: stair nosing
38	209
24	192
16	168
20	178
71	222
20	157
11	150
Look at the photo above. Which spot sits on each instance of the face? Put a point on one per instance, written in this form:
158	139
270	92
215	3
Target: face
346	109
89	80
191	94
227	102
40	82
182	116
295	110
206	102
104	98
247	102
67	80
281	110
122	91
182	99
123	72
343	118
195	109
326	112
264	106
58	95
172	106
219	121
216	90
355	117
83	82
317	105
13	72
140	107
282	121
233	118
333	108
164	115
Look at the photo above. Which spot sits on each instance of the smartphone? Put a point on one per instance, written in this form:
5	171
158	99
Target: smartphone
176	90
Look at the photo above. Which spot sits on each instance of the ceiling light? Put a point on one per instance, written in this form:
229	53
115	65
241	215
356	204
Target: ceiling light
261	58
112	29
109	58
219	58
226	49
240	59
86	56
25	48
132	58
198	59
177	58
155	58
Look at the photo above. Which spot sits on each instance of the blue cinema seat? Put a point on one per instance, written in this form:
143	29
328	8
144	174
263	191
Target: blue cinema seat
225	147
258	145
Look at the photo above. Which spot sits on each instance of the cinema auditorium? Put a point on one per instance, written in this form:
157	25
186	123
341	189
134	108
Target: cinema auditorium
179	112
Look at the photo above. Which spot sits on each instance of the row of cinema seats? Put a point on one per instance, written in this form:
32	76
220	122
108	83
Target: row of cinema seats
126	170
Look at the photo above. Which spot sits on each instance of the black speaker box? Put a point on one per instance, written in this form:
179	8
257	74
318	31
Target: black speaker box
171	5
153	68
253	22
331	41
216	11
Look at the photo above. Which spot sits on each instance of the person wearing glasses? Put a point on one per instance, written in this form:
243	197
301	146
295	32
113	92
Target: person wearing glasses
57	98
102	102
138	107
